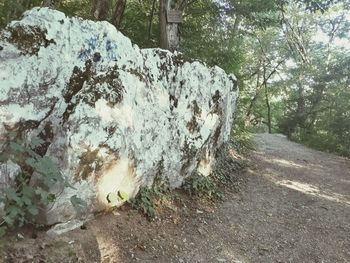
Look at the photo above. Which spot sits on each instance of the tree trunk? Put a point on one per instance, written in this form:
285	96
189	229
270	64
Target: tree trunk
253	100
50	3
267	101
173	36
151	20
169	32
163	24
100	9
118	13
268	109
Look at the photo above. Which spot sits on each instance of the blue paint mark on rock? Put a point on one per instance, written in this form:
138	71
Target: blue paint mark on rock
89	48
111	47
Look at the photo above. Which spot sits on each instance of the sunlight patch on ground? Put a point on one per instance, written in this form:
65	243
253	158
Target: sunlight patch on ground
286	163
310	189
108	250
279	161
345	181
228	254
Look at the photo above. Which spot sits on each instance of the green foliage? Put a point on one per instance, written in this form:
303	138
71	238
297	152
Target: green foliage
19	200
317	5
147	198
10	10
78	204
23	200
241	136
137	23
204	186
145	201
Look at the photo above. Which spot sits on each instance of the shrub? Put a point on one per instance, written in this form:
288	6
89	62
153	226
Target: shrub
146	199
22	200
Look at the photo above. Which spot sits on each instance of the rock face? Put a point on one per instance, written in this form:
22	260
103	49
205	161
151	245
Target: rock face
112	115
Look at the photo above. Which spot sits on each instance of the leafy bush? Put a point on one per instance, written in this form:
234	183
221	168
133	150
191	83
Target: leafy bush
198	184
23	201
241	135
147	198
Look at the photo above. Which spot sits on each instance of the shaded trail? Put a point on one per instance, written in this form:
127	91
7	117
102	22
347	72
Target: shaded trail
296	206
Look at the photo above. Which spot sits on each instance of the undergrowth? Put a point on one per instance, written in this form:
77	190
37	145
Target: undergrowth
21	200
203	186
210	187
148	198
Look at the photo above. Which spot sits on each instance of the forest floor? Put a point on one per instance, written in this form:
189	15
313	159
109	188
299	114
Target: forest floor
293	206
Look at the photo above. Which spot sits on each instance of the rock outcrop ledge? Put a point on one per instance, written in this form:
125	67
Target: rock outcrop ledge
112	116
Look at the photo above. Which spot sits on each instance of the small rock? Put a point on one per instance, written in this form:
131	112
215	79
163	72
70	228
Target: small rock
42	246
199	212
201	231
34	235
116	213
20	236
64	227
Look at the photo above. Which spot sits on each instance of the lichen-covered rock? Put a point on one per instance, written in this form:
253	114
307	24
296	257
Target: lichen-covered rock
112	116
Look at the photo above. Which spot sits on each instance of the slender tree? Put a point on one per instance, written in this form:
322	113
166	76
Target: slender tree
118	13
170	13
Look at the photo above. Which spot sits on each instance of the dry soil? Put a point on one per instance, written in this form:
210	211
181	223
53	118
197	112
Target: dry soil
293	206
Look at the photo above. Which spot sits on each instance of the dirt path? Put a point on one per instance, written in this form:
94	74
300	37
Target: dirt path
294	207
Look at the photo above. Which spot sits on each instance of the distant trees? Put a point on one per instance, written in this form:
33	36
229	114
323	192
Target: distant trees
101	9
302	97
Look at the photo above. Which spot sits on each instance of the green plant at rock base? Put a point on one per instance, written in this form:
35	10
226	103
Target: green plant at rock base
22	200
198	184
147	198
144	201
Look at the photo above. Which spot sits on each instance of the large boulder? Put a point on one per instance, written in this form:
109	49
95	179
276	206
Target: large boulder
112	116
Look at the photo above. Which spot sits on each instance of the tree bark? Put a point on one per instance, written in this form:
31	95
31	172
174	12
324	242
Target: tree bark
268	109
100	9
267	101
169	32
151	20
163	24
118	13
51	3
